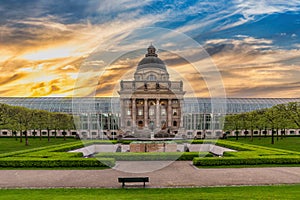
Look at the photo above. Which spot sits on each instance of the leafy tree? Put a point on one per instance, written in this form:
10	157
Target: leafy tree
293	110
233	122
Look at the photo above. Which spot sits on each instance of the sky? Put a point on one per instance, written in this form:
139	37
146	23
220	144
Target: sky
68	48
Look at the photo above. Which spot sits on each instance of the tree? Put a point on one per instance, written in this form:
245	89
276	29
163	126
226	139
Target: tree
232	122
293	110
272	116
260	121
251	118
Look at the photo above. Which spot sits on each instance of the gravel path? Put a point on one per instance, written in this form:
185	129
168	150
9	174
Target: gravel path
177	174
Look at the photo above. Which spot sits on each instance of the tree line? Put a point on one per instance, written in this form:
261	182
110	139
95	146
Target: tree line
275	119
21	119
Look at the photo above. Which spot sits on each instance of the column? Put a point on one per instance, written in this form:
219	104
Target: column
146	112
122	112
133	105
169	112
157	114
180	111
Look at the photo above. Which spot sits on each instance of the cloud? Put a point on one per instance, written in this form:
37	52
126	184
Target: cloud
250	67
44	44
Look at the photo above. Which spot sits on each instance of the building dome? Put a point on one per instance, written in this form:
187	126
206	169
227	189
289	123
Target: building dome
151	60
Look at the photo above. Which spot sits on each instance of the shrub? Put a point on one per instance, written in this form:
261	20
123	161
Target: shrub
154	156
246	161
49	163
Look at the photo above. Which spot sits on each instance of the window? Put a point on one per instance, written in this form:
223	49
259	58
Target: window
140	111
163	110
151	111
140	123
175	111
128	123
151	77
218	133
84	133
113	133
174	123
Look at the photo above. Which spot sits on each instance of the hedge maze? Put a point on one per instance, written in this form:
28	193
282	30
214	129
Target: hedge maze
248	154
56	156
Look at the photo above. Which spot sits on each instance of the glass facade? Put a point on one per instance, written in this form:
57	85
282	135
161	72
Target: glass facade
104	113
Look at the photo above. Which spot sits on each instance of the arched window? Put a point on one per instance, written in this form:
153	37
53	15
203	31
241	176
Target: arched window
151	77
128	123
140	123
174	123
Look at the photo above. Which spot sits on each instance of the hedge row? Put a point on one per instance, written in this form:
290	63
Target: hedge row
49	163
154	156
48	154
246	161
38	149
234	145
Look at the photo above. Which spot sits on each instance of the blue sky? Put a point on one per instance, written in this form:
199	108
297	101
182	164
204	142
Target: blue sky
254	44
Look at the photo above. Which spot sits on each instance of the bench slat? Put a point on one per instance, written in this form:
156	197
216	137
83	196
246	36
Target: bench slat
132	179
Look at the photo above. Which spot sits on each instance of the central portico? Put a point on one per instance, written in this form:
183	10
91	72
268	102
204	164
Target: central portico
151	102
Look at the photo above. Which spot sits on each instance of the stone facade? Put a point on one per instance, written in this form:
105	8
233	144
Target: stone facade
151	103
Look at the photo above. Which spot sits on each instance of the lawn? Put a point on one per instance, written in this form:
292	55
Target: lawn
287	143
238	192
11	144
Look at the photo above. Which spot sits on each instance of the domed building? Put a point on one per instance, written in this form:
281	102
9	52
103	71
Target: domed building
151	102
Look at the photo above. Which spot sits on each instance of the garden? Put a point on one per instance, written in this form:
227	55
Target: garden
249	153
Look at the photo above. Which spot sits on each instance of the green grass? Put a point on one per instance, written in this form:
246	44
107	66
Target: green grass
241	192
287	143
10	144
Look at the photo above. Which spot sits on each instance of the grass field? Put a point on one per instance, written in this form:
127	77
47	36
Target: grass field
11	144
238	192
287	143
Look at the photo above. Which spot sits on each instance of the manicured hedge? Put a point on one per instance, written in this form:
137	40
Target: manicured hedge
47	154
53	156
49	163
246	161
154	156
234	145
248	154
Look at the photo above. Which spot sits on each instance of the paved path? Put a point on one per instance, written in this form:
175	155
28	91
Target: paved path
177	174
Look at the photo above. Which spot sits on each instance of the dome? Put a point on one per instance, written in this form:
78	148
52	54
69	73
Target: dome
151	60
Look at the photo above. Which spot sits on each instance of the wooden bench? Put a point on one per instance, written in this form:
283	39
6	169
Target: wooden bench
132	180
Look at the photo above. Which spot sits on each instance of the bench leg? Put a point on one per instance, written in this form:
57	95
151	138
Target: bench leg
144	184
123	184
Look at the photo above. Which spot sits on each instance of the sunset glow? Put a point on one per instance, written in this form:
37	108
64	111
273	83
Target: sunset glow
254	45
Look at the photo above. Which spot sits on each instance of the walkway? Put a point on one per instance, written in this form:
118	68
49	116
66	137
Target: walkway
177	174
